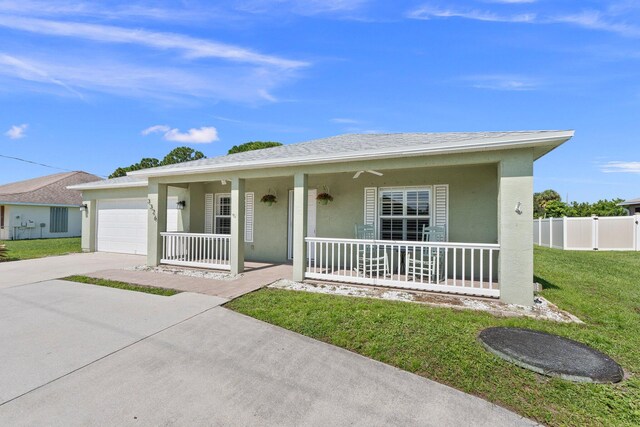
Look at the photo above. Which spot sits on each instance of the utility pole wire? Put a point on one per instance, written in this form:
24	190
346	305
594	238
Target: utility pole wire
41	164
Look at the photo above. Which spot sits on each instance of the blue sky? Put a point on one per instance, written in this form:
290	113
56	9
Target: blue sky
97	85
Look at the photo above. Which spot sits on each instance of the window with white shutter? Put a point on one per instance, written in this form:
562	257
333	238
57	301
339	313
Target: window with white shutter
370	206
441	208
208	213
248	216
403	212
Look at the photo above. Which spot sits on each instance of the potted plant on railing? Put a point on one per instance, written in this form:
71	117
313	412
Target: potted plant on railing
324	198
269	199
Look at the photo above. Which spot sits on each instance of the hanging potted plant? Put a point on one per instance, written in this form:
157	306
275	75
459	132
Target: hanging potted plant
324	197
269	198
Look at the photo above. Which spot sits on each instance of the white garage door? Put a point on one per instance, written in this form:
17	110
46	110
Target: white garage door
122	225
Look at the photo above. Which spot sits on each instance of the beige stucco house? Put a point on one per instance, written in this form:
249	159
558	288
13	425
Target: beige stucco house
42	207
473	189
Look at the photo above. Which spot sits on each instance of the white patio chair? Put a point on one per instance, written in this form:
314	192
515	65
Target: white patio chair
371	261
427	263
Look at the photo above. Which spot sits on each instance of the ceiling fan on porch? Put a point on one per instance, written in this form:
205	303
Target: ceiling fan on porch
357	175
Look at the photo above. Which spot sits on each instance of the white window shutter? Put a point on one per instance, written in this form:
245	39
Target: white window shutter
441	207
208	213
248	217
370	206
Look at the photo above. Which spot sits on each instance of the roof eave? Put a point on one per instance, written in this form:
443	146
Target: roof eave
83	187
552	141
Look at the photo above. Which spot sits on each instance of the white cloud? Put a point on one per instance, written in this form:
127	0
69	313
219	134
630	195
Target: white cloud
28	71
503	82
154	129
588	19
108	11
595	20
239	84
302	7
512	1
191	47
345	121
428	12
17	131
202	135
621	167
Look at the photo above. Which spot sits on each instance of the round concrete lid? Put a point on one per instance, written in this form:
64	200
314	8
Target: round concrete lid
551	355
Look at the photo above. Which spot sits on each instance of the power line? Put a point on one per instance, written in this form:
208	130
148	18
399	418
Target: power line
39	164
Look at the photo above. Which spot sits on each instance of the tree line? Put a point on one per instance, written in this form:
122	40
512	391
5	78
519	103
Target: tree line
548	204
186	154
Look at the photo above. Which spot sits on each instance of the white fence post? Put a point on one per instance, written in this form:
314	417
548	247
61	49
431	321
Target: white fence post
594	232
551	232
636	218
540	231
564	232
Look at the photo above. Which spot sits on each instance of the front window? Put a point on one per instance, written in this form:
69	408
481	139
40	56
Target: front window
223	214
58	220
404	212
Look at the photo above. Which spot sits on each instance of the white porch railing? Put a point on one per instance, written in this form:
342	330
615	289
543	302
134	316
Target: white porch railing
196	250
461	268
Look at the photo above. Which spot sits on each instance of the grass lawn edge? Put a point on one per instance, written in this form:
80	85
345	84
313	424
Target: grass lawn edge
121	285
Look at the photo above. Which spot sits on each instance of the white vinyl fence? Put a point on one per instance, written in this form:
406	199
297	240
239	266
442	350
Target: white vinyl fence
605	233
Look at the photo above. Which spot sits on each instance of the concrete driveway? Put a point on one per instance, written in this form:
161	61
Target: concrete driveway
75	354
36	270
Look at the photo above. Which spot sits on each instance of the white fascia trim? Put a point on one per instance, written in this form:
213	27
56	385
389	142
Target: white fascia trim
107	186
56	205
469	146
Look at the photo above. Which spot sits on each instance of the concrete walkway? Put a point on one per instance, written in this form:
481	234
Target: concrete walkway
256	276
83	355
35	270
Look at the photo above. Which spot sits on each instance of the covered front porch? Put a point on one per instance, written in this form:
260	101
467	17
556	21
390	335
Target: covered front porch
459	268
225	224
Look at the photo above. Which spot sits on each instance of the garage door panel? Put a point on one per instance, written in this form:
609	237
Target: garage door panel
122	224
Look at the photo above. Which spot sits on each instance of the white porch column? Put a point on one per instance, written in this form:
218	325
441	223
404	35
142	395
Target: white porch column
236	251
157	221
515	233
300	200
88	238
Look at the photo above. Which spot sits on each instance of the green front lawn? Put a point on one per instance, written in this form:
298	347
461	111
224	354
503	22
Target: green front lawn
38	248
602	288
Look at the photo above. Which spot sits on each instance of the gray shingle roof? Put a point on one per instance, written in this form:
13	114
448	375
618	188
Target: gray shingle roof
631	202
358	143
345	147
46	190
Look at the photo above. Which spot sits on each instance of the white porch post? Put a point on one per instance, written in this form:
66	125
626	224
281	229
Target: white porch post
88	238
515	233
157	221
236	251
300	196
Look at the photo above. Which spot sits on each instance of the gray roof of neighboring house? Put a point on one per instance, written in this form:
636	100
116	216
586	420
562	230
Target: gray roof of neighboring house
631	202
354	147
46	190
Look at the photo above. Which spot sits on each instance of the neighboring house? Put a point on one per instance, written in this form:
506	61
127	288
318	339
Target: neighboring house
632	205
42	207
476	188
